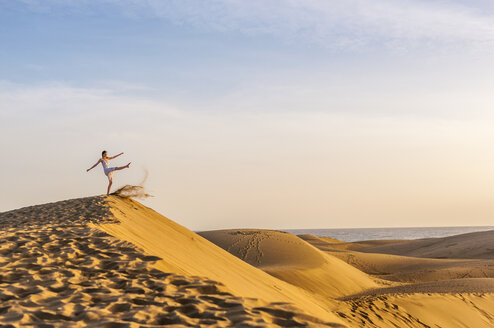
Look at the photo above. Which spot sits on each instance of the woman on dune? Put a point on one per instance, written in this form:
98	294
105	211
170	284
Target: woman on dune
107	169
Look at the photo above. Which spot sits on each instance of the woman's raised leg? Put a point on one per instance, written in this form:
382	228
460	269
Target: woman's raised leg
122	167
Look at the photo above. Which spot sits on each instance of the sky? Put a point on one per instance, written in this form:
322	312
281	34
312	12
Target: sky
276	114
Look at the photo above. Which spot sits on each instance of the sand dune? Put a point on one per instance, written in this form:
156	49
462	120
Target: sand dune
112	262
57	268
408	269
421	304
420	311
475	245
185	252
455	286
327	243
293	260
266	248
412	269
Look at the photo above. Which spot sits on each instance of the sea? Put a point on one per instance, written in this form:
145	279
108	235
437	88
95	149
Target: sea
357	234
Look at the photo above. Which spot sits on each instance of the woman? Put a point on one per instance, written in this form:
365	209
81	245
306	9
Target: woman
108	170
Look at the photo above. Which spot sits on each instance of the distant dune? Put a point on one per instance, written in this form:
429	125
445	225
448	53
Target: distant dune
474	245
435	286
112	262
324	243
293	260
404	268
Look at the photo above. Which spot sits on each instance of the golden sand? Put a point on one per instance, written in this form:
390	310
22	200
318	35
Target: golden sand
289	258
112	262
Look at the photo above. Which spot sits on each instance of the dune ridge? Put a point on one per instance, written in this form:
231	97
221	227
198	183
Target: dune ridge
187	253
59	269
405	268
473	245
328	243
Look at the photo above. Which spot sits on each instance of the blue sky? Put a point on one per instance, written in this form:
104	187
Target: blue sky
213	49
319	104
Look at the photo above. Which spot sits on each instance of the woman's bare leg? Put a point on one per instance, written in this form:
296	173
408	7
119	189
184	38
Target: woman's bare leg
122	167
110	181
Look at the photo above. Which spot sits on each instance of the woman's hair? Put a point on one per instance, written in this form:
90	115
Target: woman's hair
103	153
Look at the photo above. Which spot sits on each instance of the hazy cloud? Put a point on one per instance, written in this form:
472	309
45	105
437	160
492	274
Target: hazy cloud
264	168
336	24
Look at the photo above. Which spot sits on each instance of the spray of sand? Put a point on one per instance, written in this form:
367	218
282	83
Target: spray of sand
131	191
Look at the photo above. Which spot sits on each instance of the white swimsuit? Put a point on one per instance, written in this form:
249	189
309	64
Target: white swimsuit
108	170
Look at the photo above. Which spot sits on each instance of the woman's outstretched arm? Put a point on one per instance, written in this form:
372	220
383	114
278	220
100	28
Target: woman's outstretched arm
92	167
115	156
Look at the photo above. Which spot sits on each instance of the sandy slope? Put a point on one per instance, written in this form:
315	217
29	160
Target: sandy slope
475	245
293	260
443	295
412	269
407	269
327	243
455	286
420	311
422	304
58	269
112	262
185	252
